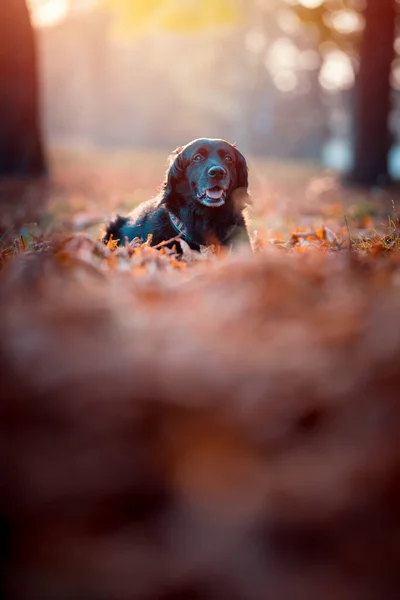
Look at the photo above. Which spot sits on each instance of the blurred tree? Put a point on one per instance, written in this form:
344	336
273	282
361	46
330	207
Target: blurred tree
21	150
372	108
374	45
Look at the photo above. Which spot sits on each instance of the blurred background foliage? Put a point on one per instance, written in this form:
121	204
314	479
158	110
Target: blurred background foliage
172	15
301	79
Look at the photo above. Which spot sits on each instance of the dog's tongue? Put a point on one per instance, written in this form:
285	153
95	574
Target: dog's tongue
215	194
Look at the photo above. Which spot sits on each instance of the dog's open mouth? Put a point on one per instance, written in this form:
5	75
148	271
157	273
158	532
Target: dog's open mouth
214	196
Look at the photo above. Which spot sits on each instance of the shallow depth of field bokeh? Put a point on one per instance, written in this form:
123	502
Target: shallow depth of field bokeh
213	424
121	84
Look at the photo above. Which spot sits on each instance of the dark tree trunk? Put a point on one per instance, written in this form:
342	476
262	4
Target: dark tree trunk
20	142
372	107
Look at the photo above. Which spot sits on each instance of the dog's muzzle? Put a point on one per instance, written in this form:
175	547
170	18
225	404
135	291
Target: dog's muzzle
214	196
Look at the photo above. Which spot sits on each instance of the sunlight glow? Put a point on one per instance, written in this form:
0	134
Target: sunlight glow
311	3
48	12
283	54
346	21
337	72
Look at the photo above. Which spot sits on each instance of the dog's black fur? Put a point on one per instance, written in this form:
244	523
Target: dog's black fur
205	188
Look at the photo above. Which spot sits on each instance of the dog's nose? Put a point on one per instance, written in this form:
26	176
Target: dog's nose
216	172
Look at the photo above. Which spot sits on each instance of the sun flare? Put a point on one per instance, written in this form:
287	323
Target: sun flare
48	12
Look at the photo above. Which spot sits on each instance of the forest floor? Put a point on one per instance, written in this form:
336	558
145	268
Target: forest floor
204	426
87	186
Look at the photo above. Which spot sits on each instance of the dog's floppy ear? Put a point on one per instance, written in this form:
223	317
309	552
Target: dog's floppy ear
242	175
174	173
241	170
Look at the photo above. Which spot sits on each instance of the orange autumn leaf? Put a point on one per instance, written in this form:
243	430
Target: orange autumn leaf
368	222
112	244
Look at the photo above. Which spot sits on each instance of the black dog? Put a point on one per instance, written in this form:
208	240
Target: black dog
202	200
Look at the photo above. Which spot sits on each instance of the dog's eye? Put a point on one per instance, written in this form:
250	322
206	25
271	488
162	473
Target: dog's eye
197	157
228	158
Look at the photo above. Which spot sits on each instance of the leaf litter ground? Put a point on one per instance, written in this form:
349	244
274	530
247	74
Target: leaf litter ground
200	425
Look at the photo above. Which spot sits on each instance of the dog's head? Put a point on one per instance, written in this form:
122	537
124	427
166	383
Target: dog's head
210	171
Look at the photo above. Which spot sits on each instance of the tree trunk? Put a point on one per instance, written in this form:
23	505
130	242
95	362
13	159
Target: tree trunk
372	107
20	142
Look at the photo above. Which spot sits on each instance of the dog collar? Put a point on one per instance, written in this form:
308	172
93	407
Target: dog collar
179	226
182	229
